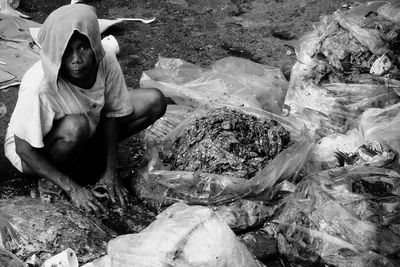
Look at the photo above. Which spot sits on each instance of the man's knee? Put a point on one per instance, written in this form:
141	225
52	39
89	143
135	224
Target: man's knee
158	102
74	129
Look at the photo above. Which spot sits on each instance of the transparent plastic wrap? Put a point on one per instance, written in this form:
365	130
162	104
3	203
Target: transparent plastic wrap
345	217
346	65
165	186
29	226
235	81
382	125
182	236
7	259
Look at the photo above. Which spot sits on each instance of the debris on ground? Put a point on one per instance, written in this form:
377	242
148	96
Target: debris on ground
30	226
336	77
341	217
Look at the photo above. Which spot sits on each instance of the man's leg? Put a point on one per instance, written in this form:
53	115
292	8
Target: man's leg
62	142
148	106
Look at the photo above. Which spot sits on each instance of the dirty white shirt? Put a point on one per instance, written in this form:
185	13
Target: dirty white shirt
38	104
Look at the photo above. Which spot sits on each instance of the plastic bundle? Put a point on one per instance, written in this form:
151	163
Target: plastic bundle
344	67
344	217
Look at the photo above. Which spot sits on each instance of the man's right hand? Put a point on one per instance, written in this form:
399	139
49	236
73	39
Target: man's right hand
83	198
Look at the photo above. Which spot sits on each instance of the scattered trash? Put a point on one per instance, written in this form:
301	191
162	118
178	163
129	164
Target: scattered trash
381	66
112	43
66	258
146	21
30	226
345	66
341	217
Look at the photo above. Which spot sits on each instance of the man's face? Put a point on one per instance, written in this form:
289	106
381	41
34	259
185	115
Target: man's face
78	59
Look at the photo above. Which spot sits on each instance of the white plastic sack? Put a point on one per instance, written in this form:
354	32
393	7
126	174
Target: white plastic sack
181	236
235	81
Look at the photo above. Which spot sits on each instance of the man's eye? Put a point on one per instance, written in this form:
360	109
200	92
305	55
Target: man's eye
84	48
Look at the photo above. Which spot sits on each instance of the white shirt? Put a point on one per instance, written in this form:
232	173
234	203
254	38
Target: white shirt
38	104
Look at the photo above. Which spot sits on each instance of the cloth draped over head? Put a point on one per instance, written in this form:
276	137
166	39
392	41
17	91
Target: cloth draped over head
56	32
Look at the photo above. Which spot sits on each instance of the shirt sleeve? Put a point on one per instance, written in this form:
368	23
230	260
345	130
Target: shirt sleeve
33	117
117	97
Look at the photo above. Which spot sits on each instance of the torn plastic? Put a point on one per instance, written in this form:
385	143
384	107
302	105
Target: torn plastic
182	236
7	259
234	81
331	85
345	217
382	125
29	226
212	189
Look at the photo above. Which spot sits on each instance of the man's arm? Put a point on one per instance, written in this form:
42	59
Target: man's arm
110	180
39	165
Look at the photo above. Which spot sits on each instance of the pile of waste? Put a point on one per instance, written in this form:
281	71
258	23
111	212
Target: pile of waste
30	228
347	65
341	217
227	141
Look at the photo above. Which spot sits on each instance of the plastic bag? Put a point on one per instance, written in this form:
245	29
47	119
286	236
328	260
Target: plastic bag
7	259
235	81
182	236
333	81
30	226
213	189
336	107
382	125
344	217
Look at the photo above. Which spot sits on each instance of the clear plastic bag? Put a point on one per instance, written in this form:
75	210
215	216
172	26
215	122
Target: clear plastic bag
182	236
7	259
213	189
333	82
235	81
345	217
30	226
382	125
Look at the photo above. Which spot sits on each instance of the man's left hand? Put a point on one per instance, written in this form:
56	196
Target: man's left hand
111	183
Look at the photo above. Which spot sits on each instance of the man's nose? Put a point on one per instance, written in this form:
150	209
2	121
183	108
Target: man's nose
76	57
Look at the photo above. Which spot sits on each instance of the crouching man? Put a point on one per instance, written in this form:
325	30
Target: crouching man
73	108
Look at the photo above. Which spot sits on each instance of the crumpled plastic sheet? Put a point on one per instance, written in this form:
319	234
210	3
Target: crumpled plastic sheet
181	236
345	217
335	107
234	81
